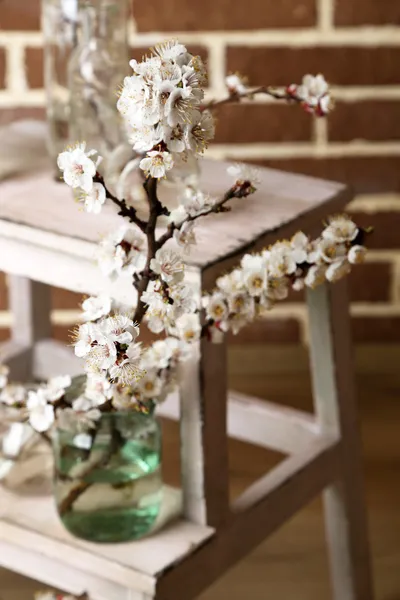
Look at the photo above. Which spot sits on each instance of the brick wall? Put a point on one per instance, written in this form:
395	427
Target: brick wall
355	43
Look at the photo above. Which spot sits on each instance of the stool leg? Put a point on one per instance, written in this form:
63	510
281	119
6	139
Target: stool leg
334	397
30	305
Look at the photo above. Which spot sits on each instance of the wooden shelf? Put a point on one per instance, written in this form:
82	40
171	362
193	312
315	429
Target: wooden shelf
34	542
45	236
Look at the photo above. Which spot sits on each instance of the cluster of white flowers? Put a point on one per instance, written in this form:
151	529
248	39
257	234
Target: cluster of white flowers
79	169
122	252
264	278
168	298
313	93
160	104
159	363
108	345
236	84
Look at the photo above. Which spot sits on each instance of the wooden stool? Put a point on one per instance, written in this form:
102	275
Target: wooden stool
44	242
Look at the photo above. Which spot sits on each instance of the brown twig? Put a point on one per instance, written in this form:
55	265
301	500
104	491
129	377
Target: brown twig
69	500
236	97
233	192
125	211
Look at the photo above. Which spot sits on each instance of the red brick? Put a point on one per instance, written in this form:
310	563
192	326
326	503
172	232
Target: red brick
5	335
341	65
64	299
212	15
8	115
34	67
370	174
367	12
247	123
386	228
370	120
20	15
376	329
268	331
2	68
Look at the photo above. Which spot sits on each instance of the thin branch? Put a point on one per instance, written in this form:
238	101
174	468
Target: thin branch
218	207
156	209
125	211
236	97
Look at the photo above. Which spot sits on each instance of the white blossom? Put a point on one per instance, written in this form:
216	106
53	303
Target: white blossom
118	328
241	304
231	283
150	386
78	167
178	215
278	288
127	370
13	394
340	229
98	389
170	50
300	247
56	386
357	254
316	276
185	236
96	307
122	252
158	355
101	357
337	270
156	164
169	265
188	327
200	132
243	173
94	199
85	336
330	251
185	298
216	307
235	84
41	414
314	92
196	202
255	280
281	260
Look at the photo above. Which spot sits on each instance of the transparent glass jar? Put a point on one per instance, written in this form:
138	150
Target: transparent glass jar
107	482
60	22
96	72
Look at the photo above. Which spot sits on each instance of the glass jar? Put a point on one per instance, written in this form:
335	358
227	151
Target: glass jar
60	30
96	72
25	457
107	481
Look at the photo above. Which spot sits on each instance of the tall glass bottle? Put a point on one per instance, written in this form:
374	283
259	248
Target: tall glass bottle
60	21
97	68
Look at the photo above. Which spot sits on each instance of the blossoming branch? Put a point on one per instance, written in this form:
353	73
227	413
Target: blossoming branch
166	119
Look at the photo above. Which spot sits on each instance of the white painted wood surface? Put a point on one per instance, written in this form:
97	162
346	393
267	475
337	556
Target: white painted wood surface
288	487
31	524
203	409
282	198
334	396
